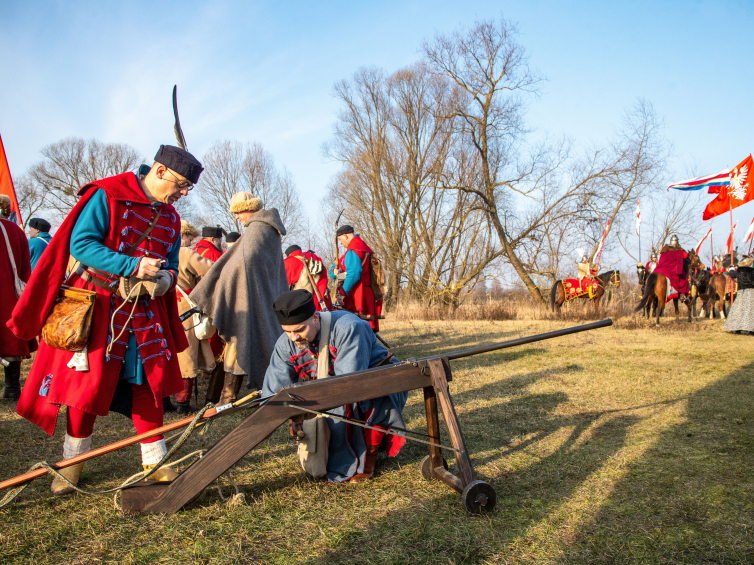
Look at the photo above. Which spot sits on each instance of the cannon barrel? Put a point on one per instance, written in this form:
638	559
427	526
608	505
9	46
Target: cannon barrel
524	340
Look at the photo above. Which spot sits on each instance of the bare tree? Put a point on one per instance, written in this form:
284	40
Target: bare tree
74	162
231	167
31	198
395	140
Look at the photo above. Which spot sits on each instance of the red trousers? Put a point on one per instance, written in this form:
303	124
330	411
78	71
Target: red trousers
146	415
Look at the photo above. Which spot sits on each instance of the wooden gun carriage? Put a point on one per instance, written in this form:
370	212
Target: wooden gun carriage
431	374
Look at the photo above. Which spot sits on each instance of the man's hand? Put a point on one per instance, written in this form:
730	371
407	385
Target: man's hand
163	280
335	271
148	268
295	428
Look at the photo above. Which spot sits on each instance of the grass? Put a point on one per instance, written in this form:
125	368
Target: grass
624	445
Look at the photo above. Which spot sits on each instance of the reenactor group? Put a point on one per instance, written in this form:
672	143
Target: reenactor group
260	316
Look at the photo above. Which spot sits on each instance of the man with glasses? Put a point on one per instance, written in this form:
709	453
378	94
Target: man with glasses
125	236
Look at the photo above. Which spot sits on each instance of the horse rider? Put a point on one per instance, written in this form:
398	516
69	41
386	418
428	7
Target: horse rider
672	264
652	263
586	269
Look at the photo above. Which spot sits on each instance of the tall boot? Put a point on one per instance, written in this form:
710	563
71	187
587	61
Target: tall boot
370	459
231	386
151	454
72	446
183	398
12	390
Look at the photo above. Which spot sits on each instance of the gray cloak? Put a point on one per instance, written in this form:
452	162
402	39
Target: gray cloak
239	289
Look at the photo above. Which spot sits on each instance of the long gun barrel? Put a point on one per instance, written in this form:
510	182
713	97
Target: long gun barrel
524	340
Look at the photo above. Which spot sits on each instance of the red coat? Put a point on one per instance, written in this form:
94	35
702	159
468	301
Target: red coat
10	345
360	299
295	266
207	250
156	326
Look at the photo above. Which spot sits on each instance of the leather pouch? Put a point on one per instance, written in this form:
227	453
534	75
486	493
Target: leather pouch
68	325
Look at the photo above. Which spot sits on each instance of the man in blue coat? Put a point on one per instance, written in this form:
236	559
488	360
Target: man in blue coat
39	239
350	345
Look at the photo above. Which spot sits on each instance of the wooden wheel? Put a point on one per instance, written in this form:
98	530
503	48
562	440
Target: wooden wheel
426	467
479	497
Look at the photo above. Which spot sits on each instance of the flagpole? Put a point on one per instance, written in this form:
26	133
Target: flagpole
730	209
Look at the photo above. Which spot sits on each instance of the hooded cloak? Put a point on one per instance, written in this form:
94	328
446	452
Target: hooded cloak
239	289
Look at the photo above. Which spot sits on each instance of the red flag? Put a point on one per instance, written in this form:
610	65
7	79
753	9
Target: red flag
699	245
6	185
739	191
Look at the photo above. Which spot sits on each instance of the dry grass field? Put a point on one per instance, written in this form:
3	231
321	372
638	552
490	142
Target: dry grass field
623	445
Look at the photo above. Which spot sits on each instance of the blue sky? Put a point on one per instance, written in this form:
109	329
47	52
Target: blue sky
264	71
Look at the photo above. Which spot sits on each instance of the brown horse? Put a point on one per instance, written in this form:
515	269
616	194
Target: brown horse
719	291
657	287
558	293
699	281
652	302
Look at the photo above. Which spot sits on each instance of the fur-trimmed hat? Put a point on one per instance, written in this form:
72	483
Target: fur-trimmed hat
244	202
187	228
40	224
232	237
294	307
212	231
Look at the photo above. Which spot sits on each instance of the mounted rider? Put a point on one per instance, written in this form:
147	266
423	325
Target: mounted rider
587	269
652	265
673	265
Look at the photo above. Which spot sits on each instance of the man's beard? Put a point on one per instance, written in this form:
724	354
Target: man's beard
303	344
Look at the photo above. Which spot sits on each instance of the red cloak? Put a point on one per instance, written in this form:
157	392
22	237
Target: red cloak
10	345
207	250
156	326
671	266
293	269
360	299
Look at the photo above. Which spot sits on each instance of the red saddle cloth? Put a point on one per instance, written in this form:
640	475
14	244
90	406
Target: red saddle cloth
575	287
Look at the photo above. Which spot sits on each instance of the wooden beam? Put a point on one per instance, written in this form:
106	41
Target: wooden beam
440	368
317	395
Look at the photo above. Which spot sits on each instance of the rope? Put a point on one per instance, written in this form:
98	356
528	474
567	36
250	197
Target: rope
8	498
362	425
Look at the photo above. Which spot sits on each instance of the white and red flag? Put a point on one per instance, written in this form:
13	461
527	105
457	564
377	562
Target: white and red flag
749	233
638	215
706	235
602	244
729	245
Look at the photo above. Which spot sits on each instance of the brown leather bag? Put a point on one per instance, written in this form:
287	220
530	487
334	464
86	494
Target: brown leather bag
68	325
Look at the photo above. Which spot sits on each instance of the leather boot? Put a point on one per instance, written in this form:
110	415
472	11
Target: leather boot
72	473
183	398
370	459
167	405
12	390
231	386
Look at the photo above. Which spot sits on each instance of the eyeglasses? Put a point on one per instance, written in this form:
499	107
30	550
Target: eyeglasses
182	184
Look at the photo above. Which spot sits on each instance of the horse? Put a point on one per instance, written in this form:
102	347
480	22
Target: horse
644	273
719	292
657	287
699	281
558	293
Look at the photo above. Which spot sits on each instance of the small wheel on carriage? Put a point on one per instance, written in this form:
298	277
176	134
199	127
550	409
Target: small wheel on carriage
426	467
479	497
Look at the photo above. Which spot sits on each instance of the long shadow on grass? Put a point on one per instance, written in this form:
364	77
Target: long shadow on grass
689	498
532	478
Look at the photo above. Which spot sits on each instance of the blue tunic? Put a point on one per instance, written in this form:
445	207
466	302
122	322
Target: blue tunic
86	246
353	271
353	348
37	245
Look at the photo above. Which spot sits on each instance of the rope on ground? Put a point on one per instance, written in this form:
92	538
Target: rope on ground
8	498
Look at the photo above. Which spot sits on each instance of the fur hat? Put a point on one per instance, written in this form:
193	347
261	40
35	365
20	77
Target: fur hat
244	202
187	228
4	205
294	307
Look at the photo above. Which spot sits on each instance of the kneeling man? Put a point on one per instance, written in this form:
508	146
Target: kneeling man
350	345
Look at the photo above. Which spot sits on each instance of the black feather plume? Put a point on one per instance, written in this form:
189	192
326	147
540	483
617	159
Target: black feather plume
177	126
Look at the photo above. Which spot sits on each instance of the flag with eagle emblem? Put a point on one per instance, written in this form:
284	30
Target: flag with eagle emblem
740	190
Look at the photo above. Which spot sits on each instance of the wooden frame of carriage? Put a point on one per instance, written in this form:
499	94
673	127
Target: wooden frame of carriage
431	374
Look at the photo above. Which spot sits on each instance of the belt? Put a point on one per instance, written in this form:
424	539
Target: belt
92	278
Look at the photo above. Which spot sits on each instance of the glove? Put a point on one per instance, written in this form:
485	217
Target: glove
160	283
